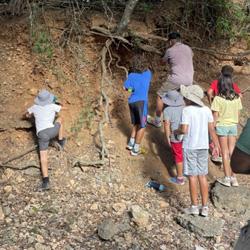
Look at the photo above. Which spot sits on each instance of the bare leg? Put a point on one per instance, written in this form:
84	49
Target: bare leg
193	189
134	130
179	168
223	140
159	106
44	160
204	188
231	145
60	134
139	134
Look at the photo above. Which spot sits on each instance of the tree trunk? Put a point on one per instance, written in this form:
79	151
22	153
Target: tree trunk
122	26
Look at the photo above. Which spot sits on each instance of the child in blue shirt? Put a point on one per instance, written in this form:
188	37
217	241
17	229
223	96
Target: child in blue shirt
138	84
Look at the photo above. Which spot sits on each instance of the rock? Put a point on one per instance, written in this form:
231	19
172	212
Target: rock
119	208
39	246
94	207
128	237
6	210
199	248
33	91
107	230
239	195
123	227
103	191
140	217
1	213
9	172
8	189
202	227
20	179
163	204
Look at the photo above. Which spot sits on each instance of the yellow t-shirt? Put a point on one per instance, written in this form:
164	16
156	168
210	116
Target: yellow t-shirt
228	111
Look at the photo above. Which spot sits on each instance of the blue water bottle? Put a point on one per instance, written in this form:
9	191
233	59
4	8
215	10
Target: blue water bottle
154	185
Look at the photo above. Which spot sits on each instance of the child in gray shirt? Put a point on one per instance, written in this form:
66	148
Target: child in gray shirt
172	118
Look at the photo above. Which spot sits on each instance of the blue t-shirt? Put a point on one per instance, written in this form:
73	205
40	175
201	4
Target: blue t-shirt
139	84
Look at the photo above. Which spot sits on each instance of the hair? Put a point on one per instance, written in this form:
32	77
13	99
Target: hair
225	88
139	64
227	70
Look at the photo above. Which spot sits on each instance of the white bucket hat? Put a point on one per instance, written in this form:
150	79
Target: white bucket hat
193	93
44	97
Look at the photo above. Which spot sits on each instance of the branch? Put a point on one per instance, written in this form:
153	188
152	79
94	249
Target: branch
23	166
213	52
20	155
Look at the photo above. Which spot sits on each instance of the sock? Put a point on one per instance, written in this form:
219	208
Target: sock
45	179
179	178
227	178
157	119
194	206
205	206
61	140
136	147
132	140
233	178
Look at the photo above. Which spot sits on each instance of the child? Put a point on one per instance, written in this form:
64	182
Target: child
196	120
172	119
226	108
213	89
138	83
44	112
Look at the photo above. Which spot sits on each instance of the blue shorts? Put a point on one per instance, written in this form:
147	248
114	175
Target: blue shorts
226	131
138	113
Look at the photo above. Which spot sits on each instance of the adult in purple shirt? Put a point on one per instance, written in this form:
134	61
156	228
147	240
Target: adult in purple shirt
180	58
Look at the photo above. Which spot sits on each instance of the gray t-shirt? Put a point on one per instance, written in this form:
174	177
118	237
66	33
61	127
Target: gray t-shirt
180	58
173	114
44	115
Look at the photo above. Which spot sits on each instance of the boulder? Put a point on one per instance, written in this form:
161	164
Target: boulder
230	198
202	227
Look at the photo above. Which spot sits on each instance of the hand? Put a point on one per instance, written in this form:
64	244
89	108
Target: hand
215	152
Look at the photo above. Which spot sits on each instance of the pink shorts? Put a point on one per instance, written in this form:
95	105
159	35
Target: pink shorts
177	150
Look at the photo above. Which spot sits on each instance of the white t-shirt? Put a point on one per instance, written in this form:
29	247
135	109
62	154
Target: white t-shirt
44	115
197	118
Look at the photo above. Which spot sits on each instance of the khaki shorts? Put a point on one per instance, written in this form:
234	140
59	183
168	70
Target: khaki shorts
165	87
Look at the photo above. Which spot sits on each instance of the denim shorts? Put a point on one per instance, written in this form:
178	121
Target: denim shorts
226	131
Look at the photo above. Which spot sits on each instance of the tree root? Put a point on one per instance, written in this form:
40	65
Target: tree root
23	166
19	155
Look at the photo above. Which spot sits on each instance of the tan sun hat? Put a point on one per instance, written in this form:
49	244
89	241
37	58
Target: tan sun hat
193	93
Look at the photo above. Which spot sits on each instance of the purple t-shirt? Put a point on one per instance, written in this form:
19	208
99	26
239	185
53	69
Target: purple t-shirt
180	58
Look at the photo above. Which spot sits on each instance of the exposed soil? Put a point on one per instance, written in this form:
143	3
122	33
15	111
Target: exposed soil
67	216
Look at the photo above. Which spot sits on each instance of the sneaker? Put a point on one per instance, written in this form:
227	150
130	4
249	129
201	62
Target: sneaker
234	183
192	210
44	186
62	142
217	159
151	120
204	211
224	182
133	152
175	180
129	146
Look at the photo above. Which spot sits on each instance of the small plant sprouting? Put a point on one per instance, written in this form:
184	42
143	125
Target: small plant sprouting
85	118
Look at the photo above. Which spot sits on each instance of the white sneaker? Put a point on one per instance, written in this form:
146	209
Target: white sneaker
204	211
192	210
151	120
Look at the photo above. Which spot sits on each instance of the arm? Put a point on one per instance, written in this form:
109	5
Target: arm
216	150
182	130
210	93
215	115
167	131
124	88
